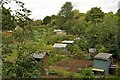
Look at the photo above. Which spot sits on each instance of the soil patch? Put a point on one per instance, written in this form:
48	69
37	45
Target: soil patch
73	64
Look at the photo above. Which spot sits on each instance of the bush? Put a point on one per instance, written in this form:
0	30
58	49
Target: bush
56	38
65	73
57	57
59	72
53	72
75	50
118	71
87	73
101	48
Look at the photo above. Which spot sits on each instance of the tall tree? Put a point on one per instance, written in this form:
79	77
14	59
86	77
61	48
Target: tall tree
47	20
7	19
95	15
20	15
65	14
66	10
118	38
37	22
107	32
77	14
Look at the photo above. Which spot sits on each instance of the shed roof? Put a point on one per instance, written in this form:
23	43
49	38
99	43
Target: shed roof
59	45
57	30
103	56
39	55
10	31
67	42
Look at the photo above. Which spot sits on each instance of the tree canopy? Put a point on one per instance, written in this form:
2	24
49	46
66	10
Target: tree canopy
7	20
65	14
95	15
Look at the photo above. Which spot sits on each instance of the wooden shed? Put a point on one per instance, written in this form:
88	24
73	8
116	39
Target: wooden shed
102	63
59	47
67	42
59	32
45	59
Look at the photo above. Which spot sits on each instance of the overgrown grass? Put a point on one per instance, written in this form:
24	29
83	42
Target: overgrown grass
12	58
84	73
57	57
66	73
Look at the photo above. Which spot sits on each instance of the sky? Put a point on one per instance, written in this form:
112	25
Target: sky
42	8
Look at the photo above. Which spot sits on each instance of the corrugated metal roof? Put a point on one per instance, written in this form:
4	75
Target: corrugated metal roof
39	55
67	42
57	30
59	45
10	31
103	56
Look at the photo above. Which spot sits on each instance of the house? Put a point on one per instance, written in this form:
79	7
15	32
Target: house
67	42
44	56
59	32
102	63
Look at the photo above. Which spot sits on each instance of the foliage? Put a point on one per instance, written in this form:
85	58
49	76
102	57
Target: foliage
53	72
101	48
78	28
64	15
75	50
20	69
118	72
68	24
66	10
108	33
56	38
17	67
17	52
57	57
47	20
95	14
7	19
20	16
87	73
77	14
37	22
60	72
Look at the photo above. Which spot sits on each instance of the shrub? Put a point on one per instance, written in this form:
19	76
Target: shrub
53	72
57	57
87	73
56	38
59	72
